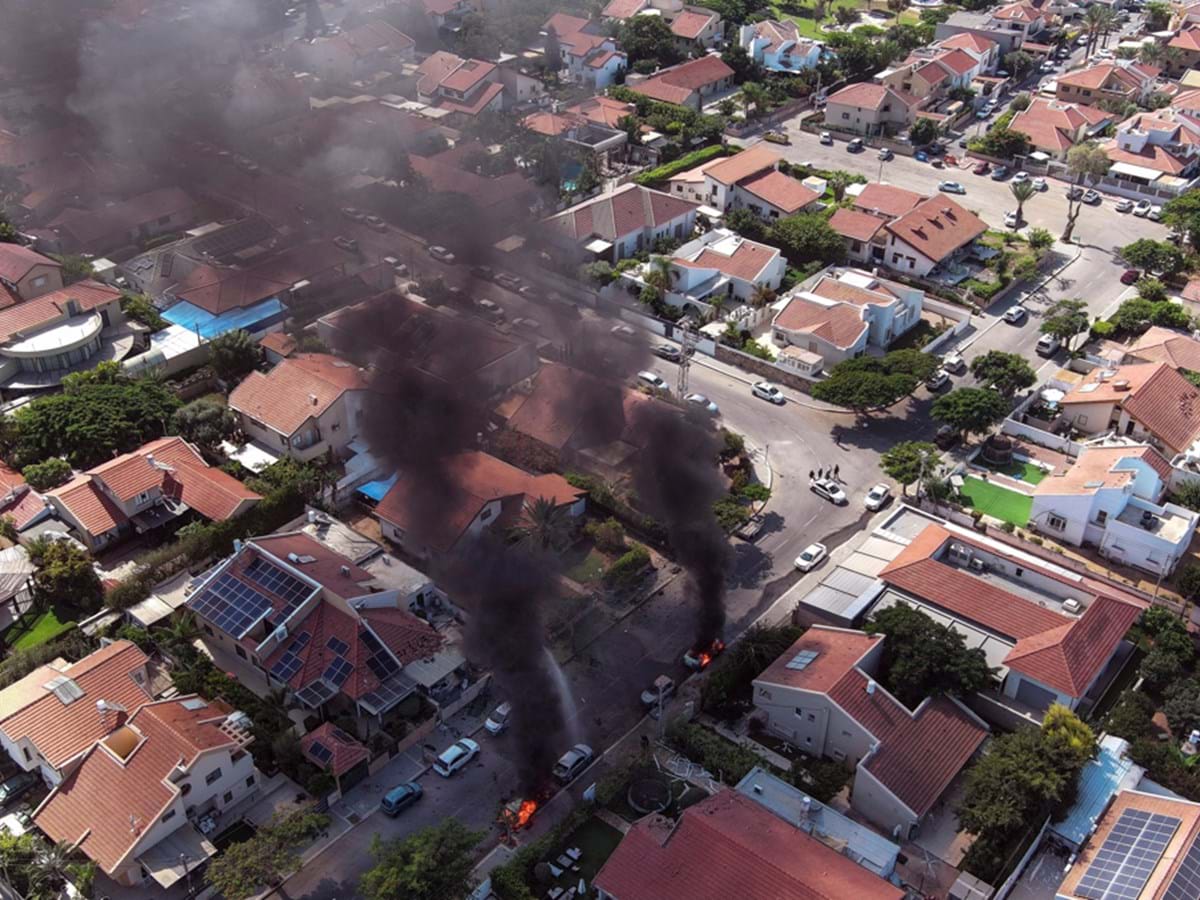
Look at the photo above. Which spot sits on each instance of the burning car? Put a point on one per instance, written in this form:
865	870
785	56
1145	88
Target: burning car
518	813
698	658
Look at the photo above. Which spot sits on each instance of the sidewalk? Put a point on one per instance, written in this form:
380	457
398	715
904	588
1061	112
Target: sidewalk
748	378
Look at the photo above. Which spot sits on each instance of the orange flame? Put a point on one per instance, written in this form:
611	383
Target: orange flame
525	812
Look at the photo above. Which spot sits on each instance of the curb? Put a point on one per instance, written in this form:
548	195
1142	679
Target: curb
737	374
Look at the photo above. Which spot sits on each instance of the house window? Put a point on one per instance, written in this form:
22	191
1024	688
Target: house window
808	741
237	755
1101	517
39	281
239	651
812	717
28	757
250	781
184	788
228	798
485	515
845	734
845	115
142	498
1020	571
213	776
839	755
170	815
1058	523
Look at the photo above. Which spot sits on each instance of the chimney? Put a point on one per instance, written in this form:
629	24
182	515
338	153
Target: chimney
870	685
312	398
345	570
807	806
106	715
312	517
150	458
237	545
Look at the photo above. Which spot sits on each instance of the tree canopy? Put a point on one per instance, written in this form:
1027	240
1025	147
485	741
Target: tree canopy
1065	319
432	864
245	868
205	422
1154	256
234	353
64	576
908	461
970	410
649	38
922	658
1006	372
807	238
867	382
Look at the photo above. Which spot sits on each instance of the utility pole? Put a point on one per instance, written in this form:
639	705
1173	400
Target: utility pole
687	346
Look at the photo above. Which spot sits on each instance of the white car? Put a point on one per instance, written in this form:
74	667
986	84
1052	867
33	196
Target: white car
497	722
1142	209
441	254
829	489
1020	177
1048	345
810	556
954	363
571	763
1040	184
526	324
1155	214
1123	206
455	757
1014	315
764	390
877	497
652	380
826	138
952	187
702	402
1011	220
937	380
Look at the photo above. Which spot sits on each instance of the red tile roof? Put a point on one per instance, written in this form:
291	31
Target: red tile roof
678	83
128	475
690	23
937	227
278	342
781	191
730	846
603	110
1018	12
346	751
869	95
875	294
326	566
968	41
626	210
16	261
95	805
61	731
27	506
747	262
623	9
477	479
886	199
755	160
41	311
1182	351
214	494
96	513
959	61
839	324
838	651
1167	405
1108	76
1188	39
297	389
469	74
855	225
10	479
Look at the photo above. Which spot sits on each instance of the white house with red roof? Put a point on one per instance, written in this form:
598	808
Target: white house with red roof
590	55
616	226
778	46
1054	127
134	801
692	83
466	87
730	846
751	180
870	108
1160	149
839	313
25	274
145	489
821	696
984	50
932	234
1024	18
1052	634
1112	498
692	26
1121	81
317	624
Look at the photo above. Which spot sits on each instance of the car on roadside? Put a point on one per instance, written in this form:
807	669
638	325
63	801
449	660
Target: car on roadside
1091	198
764	390
12	789
1074	193
954	362
1142	208
508	281
1155	214
497	722
1131	276
455	757
777	137
571	763
669	352
483	273
527	325
877	497
375	223
1015	315
946	437
827	138
440	253
885	154
951	187
1040	184
982	113
937	380
937	162
810	557
828	489
1021	177
662	688
982	169
1011	219
623	331
921	156
489	309
1123	205
1047	345
354	215
701	402
999	173
751	528
350	245
652	380
400	798
855	145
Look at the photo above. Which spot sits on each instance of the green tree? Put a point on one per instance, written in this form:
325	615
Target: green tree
807	238
48	474
1013	785
1167	314
1006	372
1133	315
8	231
1021	191
1183	215
747	224
864	391
1067	738
139	308
1086	162
245	868
1002	142
1182	706
649	38
1157	15
896	7
909	461
74	268
1065	319
434	863
205	422
837	182
234	354
743	65
1098	21
845	15
544	525
1039	238
1131	717
1152	291
1187	579
756	100
1021	101
1019	64
1161	257
923	131
64	576
922	658
1160	667
970	410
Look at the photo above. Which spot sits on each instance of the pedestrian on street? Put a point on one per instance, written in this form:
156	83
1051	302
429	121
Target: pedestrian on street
810	474
836	470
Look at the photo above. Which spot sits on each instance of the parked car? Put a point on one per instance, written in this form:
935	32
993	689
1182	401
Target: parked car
508	282
702	402
1021	177
623	331
441	254
829	490
483	273
354	215
497	722
855	145
571	763
937	380
698	659
921	156
951	187
1131	276
937	163
999	173
663	686
652	380
668	352
489	309
764	390
1039	184
810	556
398	268
1091	198
877	497
1011	220
827	138
777	137
946	437
982	169
751	528
455	757
400	798
1015	315
527	325
1124	205
1048	345
350	245
376	223
18	786
1074	193
954	362
1155	214
1142	208
885	153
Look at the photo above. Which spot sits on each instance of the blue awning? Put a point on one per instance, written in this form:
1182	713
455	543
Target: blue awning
251	318
375	490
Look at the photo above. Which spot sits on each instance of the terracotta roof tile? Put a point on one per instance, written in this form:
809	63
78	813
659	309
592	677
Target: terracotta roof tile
747	262
1168	406
839	324
869	95
838	651
278	342
855	224
626	210
94	510
678	83
41	311
968	41
886	199
346	752
16	261
214	494
754	160
937	227
781	191
128	475
1181	351
295	390
690	23
623	9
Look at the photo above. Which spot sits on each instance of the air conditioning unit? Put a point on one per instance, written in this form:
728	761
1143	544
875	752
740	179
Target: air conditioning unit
1072	605
978	565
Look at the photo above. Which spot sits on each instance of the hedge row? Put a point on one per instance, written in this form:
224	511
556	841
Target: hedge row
685	162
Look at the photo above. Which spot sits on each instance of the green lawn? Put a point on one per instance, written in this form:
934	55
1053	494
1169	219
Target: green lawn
802	14
997	502
1022	471
596	840
588	569
33	629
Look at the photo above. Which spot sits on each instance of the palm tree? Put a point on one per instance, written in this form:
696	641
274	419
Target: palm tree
1151	54
182	630
763	295
1085	162
820	8
845	15
838	182
544	526
897	7
658	274
754	94
50	866
1098	20
1022	191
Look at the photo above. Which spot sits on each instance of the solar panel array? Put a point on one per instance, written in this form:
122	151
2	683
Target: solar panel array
315	694
1186	883
388	694
802	659
1128	855
320	752
342	736
231	605
380	661
289	664
337	645
287	587
337	671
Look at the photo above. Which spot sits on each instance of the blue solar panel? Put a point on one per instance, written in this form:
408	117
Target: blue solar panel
251	318
380	661
289	664
1123	864
320	752
231	605
337	672
1186	883
283	585
338	646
